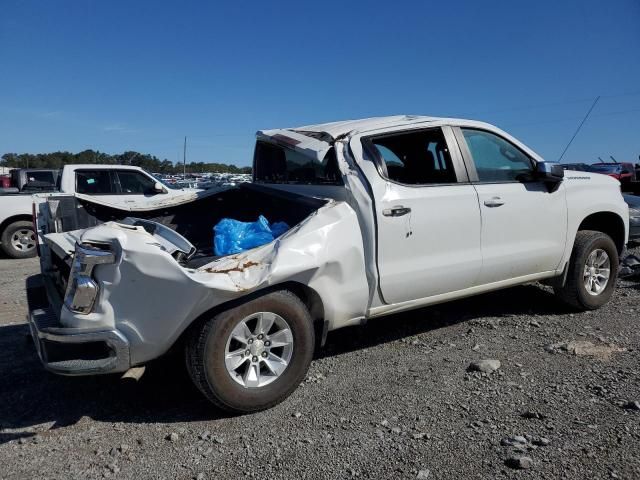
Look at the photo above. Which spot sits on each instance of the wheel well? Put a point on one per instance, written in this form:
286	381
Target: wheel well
306	294
606	222
15	218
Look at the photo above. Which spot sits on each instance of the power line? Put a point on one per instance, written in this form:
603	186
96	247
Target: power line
579	127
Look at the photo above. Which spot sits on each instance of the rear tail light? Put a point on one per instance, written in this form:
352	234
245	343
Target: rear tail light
35	227
82	289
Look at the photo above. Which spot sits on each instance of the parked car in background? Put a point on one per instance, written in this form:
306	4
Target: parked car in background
634	216
624	172
576	167
375	210
117	185
29	180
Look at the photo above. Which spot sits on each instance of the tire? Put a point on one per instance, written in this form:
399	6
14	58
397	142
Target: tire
574	292
19	240
209	343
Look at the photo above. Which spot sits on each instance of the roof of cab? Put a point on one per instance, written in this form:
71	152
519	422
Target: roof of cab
336	129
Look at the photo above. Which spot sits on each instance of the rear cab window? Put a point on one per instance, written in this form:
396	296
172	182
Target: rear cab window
278	164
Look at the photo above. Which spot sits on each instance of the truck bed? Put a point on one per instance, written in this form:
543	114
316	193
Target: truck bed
194	220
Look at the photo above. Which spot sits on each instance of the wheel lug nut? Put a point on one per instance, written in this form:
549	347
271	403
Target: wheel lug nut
254	359
250	340
260	337
264	354
267	343
247	353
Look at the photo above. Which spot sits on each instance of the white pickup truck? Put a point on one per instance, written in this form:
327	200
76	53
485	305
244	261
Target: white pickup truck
387	214
117	185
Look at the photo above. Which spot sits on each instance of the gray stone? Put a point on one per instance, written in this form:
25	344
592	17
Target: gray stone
541	441
484	366
519	463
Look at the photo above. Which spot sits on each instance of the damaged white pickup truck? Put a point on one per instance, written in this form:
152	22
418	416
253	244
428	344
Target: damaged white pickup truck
386	214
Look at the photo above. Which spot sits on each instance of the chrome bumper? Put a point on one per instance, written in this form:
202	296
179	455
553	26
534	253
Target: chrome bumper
72	351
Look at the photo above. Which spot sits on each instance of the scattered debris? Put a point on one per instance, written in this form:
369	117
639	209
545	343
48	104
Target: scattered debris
584	348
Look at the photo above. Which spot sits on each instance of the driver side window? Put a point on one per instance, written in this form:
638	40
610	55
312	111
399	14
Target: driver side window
496	160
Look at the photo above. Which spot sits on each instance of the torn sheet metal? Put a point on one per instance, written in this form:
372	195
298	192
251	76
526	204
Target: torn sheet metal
304	144
151	298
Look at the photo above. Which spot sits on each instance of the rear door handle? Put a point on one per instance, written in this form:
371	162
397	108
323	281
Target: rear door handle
494	202
396	211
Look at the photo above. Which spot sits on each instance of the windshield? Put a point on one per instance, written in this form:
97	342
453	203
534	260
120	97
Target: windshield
606	168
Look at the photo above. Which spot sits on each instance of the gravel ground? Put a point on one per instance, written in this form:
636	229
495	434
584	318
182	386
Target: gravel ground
393	399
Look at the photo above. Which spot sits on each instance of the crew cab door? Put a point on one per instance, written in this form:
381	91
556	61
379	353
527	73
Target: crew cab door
428	222
121	188
524	222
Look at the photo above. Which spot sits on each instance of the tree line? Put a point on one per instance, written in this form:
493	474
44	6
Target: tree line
150	163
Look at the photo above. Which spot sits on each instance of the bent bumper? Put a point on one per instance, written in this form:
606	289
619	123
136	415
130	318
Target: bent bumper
72	351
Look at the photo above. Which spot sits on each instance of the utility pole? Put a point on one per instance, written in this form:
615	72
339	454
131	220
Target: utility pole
184	159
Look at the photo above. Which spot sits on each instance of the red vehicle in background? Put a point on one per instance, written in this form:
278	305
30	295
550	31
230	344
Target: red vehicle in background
624	172
5	181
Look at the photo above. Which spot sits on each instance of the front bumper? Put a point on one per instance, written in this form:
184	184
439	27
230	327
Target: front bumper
71	351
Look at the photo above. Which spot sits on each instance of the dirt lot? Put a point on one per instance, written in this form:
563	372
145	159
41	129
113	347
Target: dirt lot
392	399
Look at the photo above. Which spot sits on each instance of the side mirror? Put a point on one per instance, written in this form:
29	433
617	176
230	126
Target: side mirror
549	172
158	188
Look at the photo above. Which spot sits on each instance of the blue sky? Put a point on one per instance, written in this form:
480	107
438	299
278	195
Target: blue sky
139	75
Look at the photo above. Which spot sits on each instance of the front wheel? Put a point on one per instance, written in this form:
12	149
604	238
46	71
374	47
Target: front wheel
19	240
592	271
253	356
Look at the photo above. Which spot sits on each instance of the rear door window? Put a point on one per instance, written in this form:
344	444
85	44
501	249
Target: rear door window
277	164
416	158
95	182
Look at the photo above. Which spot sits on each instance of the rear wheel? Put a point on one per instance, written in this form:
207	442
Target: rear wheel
19	240
253	356
592	271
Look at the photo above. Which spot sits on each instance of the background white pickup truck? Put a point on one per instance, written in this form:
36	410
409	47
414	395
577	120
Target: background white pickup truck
386	214
117	185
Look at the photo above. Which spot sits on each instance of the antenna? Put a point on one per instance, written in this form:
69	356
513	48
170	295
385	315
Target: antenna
611	157
601	160
184	159
579	127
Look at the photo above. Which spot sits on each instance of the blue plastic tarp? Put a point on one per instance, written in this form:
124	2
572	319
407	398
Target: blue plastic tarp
233	236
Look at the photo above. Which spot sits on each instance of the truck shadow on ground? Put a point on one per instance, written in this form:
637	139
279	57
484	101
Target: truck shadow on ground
31	397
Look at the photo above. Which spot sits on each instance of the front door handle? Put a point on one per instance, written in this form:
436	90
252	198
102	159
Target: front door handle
396	211
494	202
